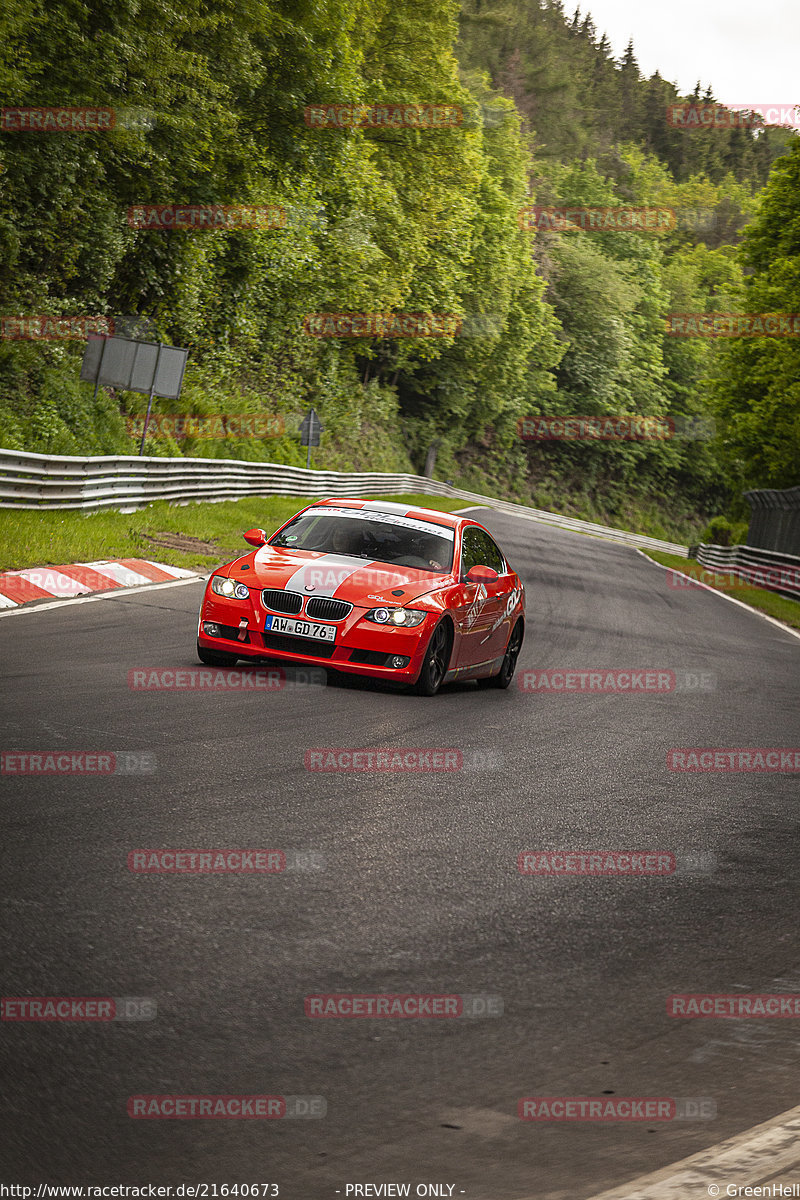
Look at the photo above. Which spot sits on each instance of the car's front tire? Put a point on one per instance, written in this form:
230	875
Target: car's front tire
216	658
436	661
509	664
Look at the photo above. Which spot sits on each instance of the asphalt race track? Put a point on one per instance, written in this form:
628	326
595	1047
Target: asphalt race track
413	887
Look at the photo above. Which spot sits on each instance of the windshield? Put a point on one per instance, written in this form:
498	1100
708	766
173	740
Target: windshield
376	536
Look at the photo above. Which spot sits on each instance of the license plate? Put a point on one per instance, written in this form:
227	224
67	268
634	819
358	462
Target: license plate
309	629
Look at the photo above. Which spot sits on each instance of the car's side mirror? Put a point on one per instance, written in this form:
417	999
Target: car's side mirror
256	537
480	574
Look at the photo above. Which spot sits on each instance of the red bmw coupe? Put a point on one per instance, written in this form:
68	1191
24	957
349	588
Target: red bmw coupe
411	595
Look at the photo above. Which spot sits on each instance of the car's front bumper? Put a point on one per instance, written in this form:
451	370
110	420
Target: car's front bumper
361	647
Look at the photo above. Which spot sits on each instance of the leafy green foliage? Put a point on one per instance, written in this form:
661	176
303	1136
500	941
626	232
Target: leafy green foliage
758	386
392	218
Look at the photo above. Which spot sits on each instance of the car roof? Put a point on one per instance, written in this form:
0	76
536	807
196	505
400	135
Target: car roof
449	520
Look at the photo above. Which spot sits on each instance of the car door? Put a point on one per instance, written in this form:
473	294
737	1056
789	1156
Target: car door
505	596
501	599
479	605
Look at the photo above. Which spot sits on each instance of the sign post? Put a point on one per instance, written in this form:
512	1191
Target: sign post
99	370
310	429
133	366
150	401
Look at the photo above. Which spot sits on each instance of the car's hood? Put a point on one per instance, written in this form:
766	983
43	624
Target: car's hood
357	580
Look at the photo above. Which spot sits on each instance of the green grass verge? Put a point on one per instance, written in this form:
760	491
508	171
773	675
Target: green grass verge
192	535
779	607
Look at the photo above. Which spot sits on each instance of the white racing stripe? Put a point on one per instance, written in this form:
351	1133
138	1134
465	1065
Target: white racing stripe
325	574
399	510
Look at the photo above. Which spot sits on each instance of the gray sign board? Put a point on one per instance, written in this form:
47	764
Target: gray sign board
310	429
134	366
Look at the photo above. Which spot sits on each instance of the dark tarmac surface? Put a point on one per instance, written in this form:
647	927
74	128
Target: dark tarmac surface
414	888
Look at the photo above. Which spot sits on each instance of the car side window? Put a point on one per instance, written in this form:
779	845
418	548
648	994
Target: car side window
468	551
478	549
491	555
470	555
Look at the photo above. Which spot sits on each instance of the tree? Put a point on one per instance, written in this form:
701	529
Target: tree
758	390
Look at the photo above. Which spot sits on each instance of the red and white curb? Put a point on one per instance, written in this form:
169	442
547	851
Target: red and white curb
79	579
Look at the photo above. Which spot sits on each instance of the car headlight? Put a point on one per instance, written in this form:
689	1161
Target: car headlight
229	587
396	616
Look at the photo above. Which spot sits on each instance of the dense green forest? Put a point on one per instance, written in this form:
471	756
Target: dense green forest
398	214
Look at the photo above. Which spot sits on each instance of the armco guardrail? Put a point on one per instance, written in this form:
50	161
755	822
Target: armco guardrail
775	520
59	481
763	568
